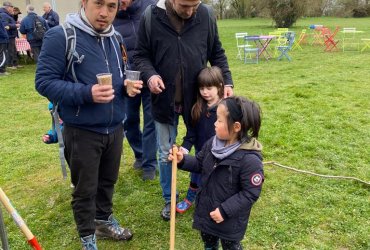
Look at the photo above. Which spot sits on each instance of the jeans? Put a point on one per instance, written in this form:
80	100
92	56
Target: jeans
94	161
142	143
3	54
12	53
36	52
166	137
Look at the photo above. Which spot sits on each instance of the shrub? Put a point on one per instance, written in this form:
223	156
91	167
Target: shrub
286	12
360	12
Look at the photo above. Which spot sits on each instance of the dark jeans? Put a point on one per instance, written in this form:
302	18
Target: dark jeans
36	52
94	161
211	243
3	54
12	53
143	143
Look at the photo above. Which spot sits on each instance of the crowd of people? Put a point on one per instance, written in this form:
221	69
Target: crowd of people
171	42
32	26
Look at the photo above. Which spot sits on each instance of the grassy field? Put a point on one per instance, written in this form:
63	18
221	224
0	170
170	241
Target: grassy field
316	117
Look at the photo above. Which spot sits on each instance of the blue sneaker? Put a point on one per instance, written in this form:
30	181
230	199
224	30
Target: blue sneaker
111	229
183	206
89	242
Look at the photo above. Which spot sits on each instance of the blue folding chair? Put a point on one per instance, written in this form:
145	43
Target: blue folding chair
251	54
284	50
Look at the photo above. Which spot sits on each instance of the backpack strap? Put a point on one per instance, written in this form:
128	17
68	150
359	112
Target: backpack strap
70	53
56	126
119	39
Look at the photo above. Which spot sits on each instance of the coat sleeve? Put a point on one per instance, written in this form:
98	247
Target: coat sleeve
49	80
142	55
251	178
217	55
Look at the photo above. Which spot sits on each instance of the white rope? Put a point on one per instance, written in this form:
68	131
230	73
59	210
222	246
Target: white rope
312	173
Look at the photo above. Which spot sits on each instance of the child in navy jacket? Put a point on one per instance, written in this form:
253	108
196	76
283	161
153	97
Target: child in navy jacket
231	168
203	115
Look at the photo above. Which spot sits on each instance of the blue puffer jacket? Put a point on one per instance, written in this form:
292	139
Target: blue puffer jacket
27	27
8	20
3	34
127	24
75	100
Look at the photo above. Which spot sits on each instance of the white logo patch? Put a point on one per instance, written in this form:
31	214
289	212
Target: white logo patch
256	179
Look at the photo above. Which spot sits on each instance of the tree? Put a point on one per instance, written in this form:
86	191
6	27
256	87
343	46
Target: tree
286	12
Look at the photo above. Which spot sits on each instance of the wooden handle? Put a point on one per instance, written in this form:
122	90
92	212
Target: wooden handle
16	217
173	198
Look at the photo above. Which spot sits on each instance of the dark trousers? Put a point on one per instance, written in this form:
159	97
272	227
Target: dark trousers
211	243
36	52
3	54
94	161
143	143
12	53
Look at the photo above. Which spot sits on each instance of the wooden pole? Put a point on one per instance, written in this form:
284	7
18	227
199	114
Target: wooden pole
173	198
19	221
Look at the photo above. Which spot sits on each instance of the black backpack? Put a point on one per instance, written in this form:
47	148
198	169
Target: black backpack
38	29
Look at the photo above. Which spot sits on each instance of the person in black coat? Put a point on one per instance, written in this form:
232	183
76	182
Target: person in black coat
231	174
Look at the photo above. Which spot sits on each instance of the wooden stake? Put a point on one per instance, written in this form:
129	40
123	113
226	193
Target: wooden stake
173	198
19	221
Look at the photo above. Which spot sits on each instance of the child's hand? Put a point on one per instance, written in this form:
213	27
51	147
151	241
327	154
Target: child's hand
180	155
216	216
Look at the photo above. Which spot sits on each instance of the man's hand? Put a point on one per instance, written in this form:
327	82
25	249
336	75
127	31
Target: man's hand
216	216
228	91
156	85
102	93
133	87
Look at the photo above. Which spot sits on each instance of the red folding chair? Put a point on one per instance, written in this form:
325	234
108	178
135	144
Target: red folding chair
330	42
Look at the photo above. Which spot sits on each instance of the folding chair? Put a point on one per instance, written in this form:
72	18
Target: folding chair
284	50
330	42
300	40
251	54
280	40
366	44
349	39
240	43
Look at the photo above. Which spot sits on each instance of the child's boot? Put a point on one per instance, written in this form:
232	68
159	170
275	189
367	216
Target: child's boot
184	205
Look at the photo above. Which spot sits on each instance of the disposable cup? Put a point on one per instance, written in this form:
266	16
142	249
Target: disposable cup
104	78
131	76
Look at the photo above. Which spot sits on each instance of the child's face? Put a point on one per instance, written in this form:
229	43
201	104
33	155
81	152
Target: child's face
210	94
221	127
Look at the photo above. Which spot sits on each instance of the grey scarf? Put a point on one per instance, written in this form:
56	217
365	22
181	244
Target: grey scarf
220	151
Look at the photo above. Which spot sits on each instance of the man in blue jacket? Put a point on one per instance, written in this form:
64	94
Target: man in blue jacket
4	40
51	17
142	143
6	14
92	113
175	42
28	26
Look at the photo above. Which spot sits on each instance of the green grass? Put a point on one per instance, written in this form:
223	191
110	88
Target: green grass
316	117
